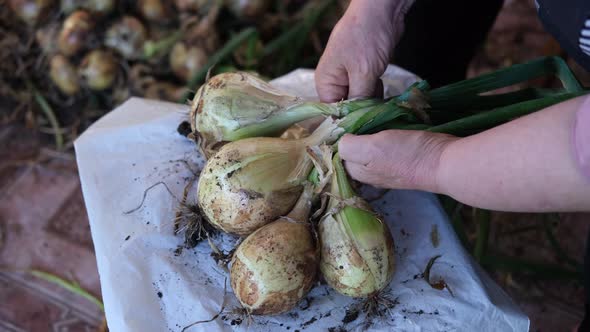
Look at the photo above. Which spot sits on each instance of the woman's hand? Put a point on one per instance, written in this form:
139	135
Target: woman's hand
395	158
537	163
359	49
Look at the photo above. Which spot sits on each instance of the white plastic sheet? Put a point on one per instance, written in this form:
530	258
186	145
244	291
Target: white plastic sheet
149	284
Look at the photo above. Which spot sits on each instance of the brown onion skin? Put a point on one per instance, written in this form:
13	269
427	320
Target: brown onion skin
127	37
248	9
31	11
64	75
275	267
75	33
46	37
98	69
100	7
233	208
185	61
192	5
157	11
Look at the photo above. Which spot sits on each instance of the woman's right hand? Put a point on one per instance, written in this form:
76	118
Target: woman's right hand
359	49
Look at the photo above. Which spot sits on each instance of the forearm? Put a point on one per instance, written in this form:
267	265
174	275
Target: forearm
386	12
529	164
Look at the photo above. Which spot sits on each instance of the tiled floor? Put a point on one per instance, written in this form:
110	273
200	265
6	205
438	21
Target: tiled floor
44	226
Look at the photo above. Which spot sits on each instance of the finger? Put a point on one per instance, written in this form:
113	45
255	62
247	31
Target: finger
354	148
361	85
331	81
362	173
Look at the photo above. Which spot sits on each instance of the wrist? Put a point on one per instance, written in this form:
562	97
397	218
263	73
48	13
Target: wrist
581	138
442	161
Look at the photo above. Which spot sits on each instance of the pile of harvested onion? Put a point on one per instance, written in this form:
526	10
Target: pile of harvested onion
266	188
90	44
82	58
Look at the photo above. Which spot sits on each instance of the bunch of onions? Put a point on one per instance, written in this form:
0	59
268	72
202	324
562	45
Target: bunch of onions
276	266
253	181
246	188
357	253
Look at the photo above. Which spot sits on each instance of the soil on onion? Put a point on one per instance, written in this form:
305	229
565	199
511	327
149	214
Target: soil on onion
189	220
184	128
190	223
350	316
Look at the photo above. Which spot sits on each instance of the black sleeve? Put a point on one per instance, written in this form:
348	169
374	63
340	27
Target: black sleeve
569	22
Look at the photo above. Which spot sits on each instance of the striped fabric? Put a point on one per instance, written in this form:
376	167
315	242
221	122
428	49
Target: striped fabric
585	38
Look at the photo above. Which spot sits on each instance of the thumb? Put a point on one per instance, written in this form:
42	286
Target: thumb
354	148
358	155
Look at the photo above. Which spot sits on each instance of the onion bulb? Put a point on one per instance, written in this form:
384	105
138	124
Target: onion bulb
100	6
31	11
46	37
96	6
98	70
248	8
127	37
193	5
233	106
276	266
357	253
157	11
64	75
185	61
74	34
253	181
68	6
